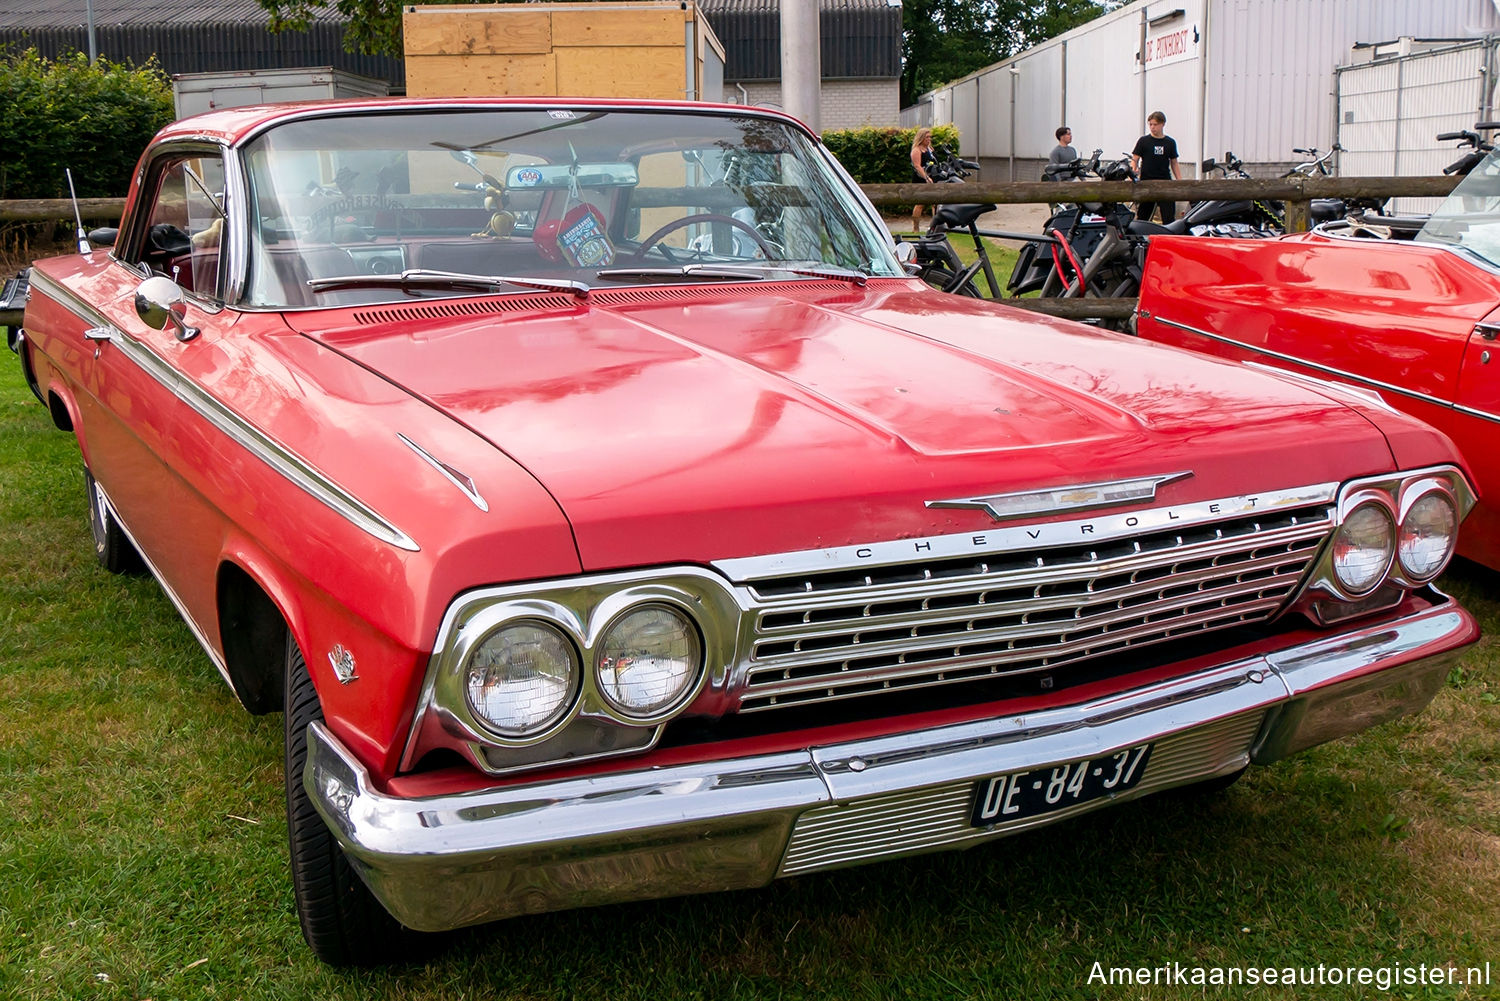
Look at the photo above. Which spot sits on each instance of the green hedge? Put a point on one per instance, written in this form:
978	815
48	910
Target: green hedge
65	113
882	156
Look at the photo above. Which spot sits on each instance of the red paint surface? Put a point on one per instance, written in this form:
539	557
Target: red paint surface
1387	316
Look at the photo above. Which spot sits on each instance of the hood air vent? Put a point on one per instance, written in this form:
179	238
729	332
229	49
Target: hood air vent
462	307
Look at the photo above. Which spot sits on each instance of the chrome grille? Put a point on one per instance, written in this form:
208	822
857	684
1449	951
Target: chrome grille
929	819
842	634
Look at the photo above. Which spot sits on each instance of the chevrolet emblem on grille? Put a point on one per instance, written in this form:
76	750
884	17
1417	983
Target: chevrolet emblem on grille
1069	498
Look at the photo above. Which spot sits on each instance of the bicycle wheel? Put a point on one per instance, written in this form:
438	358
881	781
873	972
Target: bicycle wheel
945	279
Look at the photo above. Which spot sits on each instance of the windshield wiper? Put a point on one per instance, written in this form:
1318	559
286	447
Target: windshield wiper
712	272
423	278
813	271
748	271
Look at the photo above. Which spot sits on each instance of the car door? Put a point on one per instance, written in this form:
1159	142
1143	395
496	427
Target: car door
136	401
1475	429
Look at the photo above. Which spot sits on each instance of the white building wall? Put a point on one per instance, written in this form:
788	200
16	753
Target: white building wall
1104	62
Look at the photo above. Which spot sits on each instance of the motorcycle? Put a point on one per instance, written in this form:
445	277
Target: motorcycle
1039	264
1368	218
1246	218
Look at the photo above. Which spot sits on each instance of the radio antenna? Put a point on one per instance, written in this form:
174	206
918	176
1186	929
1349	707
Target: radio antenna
83	239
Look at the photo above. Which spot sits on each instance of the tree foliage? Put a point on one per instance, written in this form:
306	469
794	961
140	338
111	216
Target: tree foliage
65	113
943	39
948	39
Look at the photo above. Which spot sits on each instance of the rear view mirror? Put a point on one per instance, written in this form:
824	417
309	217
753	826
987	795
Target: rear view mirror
563	175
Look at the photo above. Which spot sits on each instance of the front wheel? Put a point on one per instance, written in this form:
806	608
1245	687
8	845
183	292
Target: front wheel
341	919
112	547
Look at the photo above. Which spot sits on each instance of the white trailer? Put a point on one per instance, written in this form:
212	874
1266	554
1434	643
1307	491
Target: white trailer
1257	78
193	93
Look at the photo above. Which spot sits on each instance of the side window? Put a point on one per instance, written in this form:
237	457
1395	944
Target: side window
185	225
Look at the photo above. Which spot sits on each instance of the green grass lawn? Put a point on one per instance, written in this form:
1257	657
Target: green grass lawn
142	855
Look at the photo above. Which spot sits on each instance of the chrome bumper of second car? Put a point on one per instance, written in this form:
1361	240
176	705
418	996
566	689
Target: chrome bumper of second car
449	861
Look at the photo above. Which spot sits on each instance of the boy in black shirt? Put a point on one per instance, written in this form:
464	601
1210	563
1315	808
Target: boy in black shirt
1155	159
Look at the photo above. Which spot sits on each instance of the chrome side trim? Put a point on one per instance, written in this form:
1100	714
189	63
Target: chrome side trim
1327	369
280	458
1481	414
1021	538
447	861
172	596
462	481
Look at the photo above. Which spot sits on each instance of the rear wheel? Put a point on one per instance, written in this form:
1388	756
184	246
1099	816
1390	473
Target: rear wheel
341	919
112	547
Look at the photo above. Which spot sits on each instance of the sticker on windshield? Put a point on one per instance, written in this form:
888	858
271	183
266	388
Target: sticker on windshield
526	177
562	116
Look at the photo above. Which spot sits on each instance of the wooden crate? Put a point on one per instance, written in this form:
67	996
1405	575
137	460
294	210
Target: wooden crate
660	50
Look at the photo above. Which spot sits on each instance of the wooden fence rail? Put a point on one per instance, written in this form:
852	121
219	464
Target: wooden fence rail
1296	192
1292	189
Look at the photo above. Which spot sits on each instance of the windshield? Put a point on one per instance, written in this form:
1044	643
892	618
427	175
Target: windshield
554	195
1469	218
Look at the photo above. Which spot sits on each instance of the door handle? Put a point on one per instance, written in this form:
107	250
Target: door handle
99	335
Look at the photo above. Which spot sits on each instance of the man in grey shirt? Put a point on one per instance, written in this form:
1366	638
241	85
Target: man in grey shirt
1063	152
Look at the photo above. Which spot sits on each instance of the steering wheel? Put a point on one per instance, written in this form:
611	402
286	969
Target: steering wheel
710	217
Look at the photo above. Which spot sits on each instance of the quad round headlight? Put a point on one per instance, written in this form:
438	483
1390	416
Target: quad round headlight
1428	534
648	659
521	678
1363	547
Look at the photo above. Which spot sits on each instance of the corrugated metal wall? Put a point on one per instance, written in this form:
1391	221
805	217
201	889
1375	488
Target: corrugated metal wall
1260	82
201	48
1270	84
1390	111
1088	79
859	40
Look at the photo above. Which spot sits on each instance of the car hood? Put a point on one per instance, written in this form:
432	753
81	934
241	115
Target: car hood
725	420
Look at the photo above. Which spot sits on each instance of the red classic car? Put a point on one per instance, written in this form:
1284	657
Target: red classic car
1410	320
612	516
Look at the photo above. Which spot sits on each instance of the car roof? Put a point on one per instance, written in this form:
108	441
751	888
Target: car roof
233	126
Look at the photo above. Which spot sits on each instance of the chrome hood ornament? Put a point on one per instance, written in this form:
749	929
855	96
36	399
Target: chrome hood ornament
1078	497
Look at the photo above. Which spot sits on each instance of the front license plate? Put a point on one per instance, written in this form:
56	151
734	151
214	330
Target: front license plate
1020	795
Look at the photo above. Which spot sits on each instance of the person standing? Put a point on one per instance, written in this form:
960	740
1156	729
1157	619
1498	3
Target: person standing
1155	159
1063	152
922	158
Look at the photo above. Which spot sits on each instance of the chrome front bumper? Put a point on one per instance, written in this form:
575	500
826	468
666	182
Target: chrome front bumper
448	861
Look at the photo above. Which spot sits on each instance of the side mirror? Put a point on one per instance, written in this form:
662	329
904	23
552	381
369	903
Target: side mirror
1209	164
158	302
907	255
104	236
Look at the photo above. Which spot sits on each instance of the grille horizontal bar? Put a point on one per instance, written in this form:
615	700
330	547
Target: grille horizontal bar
918	625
